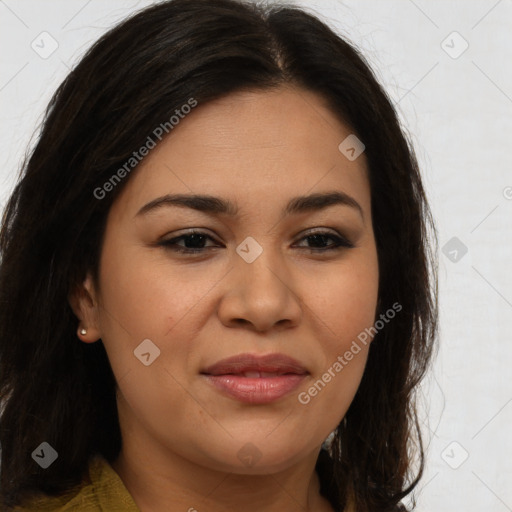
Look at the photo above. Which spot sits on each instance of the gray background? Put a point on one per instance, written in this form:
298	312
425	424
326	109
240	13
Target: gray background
456	104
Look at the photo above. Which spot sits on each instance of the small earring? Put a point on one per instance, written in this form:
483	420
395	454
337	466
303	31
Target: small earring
83	332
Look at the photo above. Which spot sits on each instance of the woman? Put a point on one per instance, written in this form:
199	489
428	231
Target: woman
216	281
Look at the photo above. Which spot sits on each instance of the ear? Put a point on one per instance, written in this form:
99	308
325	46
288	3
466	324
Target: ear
84	303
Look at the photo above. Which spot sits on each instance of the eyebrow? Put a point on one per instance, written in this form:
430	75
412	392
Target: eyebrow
219	206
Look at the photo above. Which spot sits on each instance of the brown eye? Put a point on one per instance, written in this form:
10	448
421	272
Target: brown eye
319	241
194	243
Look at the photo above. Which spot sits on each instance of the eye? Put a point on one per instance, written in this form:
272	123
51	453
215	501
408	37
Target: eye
195	239
194	242
319	238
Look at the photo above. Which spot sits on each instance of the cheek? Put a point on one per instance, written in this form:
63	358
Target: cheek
345	301
145	299
353	308
145	296
345	307
137	304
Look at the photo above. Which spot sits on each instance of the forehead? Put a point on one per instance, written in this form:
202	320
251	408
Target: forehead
256	145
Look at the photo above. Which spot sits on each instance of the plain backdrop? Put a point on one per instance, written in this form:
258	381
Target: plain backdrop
447	67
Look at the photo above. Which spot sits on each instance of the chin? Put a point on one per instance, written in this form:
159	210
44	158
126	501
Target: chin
258	457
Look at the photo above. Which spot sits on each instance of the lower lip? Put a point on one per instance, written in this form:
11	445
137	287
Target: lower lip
259	390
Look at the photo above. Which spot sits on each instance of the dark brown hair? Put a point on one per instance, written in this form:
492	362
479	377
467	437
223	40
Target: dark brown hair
56	389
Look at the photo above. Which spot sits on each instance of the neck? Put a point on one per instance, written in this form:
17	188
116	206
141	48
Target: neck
160	480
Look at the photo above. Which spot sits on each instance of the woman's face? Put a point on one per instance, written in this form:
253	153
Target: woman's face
259	284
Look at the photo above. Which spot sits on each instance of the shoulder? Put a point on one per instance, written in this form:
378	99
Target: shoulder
100	490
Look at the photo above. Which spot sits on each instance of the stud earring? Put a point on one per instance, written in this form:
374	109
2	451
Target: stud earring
83	332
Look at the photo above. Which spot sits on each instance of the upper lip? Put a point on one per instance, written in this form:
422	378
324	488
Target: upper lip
270	363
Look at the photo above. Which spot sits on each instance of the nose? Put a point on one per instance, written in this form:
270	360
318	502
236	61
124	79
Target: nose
261	295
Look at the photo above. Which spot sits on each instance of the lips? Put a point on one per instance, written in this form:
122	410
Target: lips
256	379
249	365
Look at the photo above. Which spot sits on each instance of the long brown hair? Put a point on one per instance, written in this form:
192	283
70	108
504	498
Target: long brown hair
54	388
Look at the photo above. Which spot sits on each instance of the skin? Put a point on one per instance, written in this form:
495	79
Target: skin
181	436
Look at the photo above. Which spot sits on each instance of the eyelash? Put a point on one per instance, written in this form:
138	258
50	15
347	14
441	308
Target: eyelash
341	243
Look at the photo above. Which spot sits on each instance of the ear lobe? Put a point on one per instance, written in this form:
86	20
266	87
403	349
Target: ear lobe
84	303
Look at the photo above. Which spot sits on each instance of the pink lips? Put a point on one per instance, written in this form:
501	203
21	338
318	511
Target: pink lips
256	379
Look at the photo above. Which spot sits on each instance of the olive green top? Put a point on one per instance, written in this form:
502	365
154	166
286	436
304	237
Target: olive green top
102	490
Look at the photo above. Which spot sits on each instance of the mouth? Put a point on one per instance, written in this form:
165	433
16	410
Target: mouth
256	379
